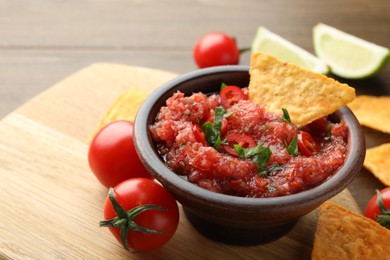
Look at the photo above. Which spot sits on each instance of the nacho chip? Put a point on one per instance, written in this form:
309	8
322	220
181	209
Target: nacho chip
124	108
306	95
377	161
372	111
342	234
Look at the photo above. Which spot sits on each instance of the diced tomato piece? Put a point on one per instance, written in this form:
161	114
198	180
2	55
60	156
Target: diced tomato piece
199	135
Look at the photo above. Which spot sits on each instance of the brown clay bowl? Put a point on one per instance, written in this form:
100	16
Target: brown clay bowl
230	219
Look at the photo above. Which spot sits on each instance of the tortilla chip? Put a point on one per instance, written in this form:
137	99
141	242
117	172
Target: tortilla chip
377	161
124	108
306	95
342	234
372	111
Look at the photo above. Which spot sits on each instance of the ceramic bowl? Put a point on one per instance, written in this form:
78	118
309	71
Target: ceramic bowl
231	219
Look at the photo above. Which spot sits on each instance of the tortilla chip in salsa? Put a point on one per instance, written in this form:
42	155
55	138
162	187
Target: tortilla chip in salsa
306	95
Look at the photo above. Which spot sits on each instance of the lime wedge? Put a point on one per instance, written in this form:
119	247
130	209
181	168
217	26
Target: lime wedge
270	43
348	56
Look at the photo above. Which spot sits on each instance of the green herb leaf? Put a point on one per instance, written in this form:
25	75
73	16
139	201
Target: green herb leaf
286	116
247	152
261	160
259	155
218	117
218	142
213	131
209	132
223	85
292	148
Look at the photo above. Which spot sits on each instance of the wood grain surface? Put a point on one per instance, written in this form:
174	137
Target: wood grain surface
52	203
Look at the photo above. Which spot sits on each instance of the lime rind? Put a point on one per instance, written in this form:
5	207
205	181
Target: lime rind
270	43
347	55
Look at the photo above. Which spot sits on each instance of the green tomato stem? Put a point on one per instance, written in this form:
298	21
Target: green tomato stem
245	49
118	209
125	219
384	217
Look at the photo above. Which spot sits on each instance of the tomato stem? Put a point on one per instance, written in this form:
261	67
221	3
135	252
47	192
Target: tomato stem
384	217
125	219
120	222
118	209
245	49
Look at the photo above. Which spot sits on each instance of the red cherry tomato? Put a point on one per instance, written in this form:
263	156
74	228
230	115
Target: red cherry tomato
230	95
215	49
112	156
306	144
244	141
160	214
373	211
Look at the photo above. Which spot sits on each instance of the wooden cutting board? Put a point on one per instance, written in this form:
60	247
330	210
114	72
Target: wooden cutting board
50	201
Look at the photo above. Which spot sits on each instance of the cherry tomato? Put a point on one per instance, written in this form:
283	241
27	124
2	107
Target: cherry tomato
215	49
144	212
244	141
377	212
306	144
112	156
230	95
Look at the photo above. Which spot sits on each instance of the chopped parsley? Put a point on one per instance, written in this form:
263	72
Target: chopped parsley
212	131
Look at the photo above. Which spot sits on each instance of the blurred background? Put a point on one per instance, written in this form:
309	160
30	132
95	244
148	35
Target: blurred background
44	41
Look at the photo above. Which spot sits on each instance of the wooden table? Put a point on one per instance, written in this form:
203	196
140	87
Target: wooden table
43	42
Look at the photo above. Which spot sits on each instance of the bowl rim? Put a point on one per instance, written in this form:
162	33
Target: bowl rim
329	188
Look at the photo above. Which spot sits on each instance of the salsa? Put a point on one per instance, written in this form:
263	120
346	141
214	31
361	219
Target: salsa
227	144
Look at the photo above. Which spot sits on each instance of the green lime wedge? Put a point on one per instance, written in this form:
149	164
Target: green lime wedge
270	43
348	56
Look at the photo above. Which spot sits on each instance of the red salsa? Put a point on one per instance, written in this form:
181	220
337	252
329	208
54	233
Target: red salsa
227	144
